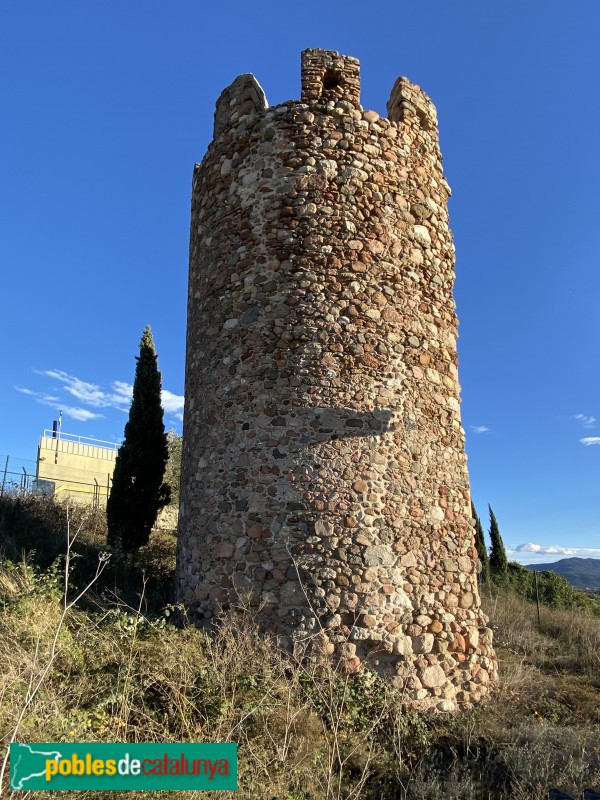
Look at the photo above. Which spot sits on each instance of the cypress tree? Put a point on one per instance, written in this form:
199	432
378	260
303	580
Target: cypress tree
482	552
138	491
498	560
173	468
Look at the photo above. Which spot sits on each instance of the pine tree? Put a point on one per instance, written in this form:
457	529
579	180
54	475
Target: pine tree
138	491
482	552
498	560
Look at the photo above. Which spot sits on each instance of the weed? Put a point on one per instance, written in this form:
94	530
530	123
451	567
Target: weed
107	663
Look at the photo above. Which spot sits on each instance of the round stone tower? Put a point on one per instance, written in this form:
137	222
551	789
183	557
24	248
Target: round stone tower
324	474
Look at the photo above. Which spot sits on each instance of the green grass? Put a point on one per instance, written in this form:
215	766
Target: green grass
119	669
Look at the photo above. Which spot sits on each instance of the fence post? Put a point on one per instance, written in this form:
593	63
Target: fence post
4	476
537	596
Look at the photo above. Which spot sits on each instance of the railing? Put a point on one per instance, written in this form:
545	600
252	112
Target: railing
71	437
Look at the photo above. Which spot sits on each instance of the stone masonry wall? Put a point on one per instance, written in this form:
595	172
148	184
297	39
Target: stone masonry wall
324	475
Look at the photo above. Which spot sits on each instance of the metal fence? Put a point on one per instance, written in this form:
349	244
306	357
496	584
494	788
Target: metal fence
17	475
21	476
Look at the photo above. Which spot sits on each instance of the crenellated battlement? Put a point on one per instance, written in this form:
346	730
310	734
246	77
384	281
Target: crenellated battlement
326	77
409	103
244	96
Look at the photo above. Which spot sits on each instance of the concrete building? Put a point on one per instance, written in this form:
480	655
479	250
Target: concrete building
75	467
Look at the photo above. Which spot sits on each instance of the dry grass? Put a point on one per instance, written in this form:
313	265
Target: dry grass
122	672
579	637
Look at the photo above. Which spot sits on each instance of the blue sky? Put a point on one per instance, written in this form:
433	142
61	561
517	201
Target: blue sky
105	108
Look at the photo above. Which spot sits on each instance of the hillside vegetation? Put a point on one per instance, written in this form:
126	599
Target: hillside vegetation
114	667
582	573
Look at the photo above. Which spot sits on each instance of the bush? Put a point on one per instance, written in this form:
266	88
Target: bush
554	590
124	672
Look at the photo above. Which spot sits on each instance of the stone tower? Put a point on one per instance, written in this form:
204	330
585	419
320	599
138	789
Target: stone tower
324	473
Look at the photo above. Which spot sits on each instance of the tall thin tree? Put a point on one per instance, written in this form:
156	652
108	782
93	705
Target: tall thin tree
498	560
480	545
138	491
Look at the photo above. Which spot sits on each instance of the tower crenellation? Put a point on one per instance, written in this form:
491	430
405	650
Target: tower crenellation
324	473
329	77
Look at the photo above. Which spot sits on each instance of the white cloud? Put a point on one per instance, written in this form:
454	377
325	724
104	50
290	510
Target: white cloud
171	402
122	392
117	397
538	554
590	440
90	393
75	412
530	547
80	414
40	397
587	421
480	428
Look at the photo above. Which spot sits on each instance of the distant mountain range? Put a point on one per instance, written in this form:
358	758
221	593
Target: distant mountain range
582	573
